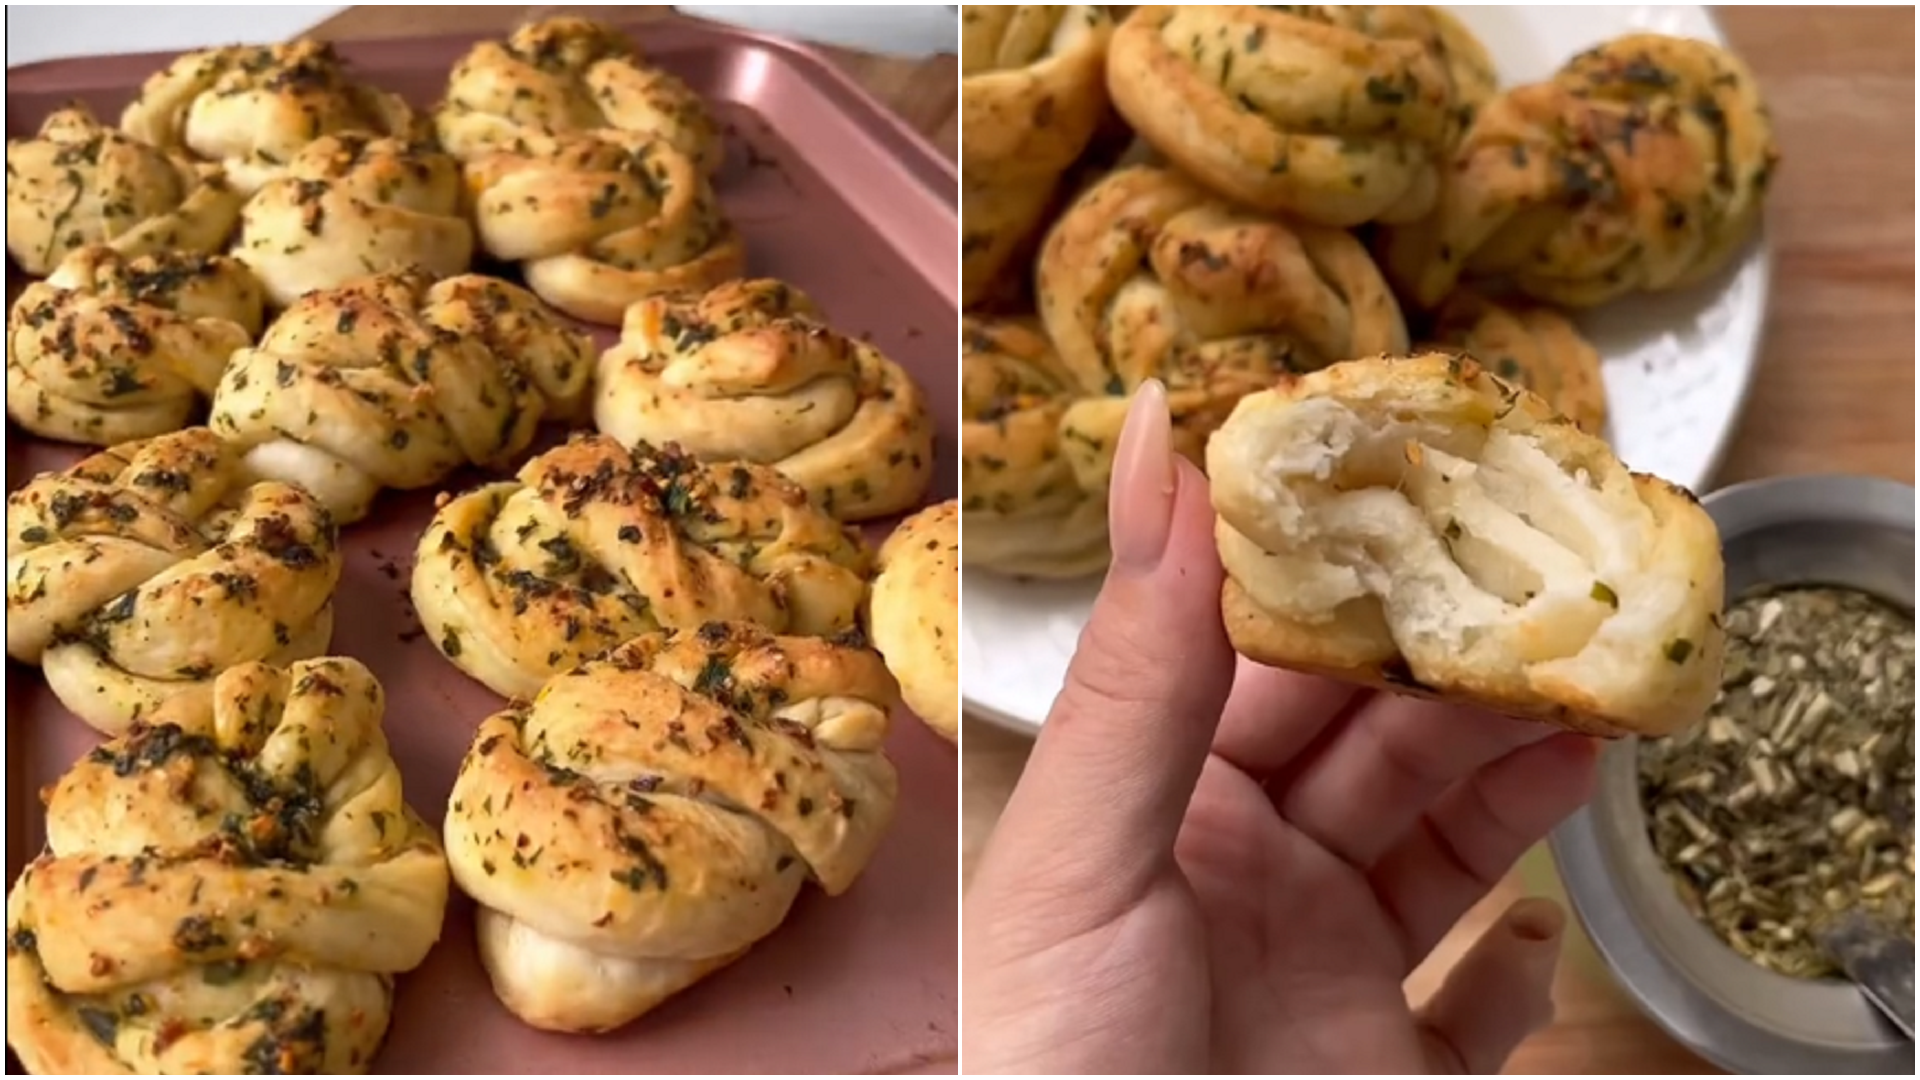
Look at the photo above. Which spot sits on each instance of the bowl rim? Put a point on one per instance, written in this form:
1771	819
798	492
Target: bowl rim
1589	857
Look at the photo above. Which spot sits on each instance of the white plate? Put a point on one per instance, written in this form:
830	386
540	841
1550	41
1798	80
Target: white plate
1677	368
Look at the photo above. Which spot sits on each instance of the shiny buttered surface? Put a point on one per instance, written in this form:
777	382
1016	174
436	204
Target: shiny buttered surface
752	372
595	543
650	815
228	888
145	571
913	617
1420	524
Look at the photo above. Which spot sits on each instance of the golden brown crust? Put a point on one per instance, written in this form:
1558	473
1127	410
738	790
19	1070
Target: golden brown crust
563	75
1642	165
353	204
1024	511
1336	115
395	380
585	824
111	349
594	544
1032	94
251	108
1148	276
254	927
752	372
79	183
146	570
1530	346
913	617
1416	522
602	221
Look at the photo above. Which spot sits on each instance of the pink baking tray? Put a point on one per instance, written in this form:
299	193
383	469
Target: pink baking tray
838	196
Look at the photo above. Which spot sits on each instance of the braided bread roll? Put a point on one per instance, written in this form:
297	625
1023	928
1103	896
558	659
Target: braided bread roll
1641	166
1032	93
78	183
354	204
111	348
1414	523
751	372
1024	511
228	888
1529	346
251	108
589	826
1338	115
143	572
395	380
1148	276
563	75
595	543
601	221
913	615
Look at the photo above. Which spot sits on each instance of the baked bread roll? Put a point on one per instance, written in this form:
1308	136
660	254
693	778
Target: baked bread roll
595	543
395	380
354	204
1032	94
111	349
913	616
564	75
652	815
1337	115
1148	276
251	108
78	183
1023	511
143	572
229	888
1641	166
1418	524
752	372
1529	346
601	221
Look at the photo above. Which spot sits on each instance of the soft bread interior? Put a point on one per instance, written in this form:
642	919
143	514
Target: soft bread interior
1488	544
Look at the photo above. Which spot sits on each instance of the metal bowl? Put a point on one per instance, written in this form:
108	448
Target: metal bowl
1808	530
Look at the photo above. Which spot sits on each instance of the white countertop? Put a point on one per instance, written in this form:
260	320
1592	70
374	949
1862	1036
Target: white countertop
44	32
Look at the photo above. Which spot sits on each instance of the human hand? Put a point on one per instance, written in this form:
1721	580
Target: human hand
1213	866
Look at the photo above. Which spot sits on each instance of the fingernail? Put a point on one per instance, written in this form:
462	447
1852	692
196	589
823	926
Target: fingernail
1536	919
1140	497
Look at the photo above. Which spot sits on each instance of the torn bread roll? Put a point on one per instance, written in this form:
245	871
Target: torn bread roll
1417	523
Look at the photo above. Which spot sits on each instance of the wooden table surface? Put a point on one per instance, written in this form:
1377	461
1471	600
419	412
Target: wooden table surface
1834	393
925	92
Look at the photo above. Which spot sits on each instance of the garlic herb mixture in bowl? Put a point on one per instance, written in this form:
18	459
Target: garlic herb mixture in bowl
1709	861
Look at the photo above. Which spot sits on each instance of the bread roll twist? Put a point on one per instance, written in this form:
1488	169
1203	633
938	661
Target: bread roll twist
1338	115
1641	166
564	75
143	572
228	888
78	183
111	349
354	204
1032	93
1531	346
595	543
751	372
1148	276
602	221
251	108
1023	511
653	814
913	617
1418	524
395	380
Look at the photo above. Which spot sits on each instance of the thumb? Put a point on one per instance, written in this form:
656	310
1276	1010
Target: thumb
1499	993
1107	785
